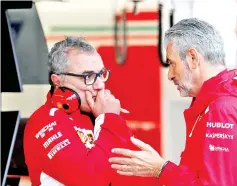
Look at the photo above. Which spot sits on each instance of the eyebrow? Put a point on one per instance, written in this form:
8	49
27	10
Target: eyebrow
92	71
88	72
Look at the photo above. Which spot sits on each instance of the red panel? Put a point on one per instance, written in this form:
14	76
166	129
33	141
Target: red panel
137	85
141	16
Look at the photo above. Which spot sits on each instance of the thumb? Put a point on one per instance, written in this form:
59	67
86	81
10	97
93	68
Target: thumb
100	94
89	99
140	144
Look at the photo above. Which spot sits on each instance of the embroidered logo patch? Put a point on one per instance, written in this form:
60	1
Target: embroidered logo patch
86	136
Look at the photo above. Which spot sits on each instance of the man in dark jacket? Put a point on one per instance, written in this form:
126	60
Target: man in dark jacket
196	57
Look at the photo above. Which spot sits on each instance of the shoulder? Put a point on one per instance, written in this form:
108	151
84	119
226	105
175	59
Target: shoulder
42	117
223	109
224	103
46	113
39	114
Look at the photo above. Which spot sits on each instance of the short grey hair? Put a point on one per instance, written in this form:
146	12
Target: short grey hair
58	56
198	34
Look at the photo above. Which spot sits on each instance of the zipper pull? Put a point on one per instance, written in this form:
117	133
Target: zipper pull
198	119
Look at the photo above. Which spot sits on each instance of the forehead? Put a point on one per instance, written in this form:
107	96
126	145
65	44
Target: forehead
80	62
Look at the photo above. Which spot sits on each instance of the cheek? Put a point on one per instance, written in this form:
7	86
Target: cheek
178	72
175	72
82	92
80	87
83	100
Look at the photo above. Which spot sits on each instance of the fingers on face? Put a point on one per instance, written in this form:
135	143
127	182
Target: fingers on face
107	92
100	94
107	95
89	99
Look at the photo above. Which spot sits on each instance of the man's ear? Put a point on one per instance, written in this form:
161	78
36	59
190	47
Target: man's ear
194	56
56	79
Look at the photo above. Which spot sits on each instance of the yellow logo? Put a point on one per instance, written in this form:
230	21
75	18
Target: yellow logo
86	136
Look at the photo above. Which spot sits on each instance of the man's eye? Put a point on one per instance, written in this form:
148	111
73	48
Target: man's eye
89	76
172	64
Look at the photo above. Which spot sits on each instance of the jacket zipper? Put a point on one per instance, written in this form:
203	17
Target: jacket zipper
198	119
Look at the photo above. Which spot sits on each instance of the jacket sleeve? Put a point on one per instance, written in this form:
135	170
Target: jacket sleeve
219	165
67	160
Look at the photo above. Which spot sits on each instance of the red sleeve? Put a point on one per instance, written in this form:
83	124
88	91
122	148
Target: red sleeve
68	161
219	150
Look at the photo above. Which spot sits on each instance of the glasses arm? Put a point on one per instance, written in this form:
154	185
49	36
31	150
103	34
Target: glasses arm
72	74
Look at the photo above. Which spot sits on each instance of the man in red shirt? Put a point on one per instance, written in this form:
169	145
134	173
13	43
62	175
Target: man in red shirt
196	56
61	146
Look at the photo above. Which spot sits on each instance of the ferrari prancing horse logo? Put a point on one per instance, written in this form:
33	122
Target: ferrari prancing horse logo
86	136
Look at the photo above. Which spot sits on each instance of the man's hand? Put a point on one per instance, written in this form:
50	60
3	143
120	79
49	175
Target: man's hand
105	102
145	163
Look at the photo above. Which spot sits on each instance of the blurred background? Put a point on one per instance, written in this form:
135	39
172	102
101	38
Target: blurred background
128	34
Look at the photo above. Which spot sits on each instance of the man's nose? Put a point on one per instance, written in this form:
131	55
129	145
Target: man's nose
170	74
99	84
